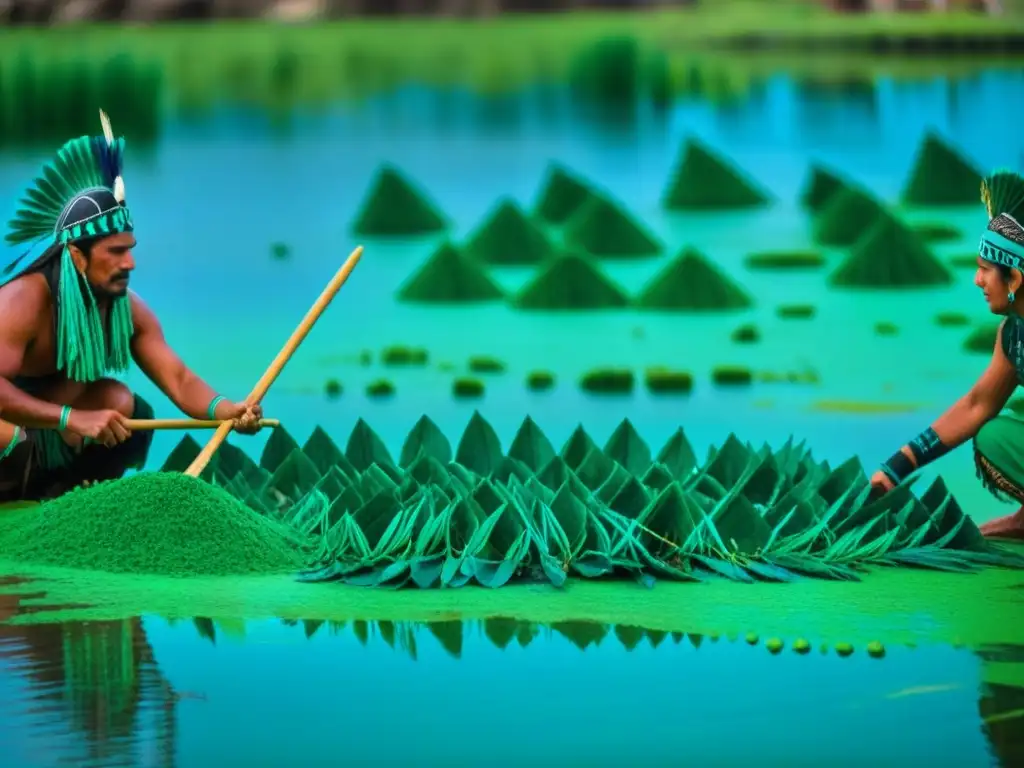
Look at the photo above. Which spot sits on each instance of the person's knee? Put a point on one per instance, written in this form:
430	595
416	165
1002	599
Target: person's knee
108	394
993	435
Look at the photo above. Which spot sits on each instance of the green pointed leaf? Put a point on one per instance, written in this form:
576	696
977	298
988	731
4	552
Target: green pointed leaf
323	451
425	439
365	448
629	449
279	446
531	446
479	449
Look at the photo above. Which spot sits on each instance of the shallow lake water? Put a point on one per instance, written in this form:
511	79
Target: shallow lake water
213	195
500	692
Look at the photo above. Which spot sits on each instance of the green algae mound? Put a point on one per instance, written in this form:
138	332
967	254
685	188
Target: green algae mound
821	185
691	283
603	228
394	207
151	523
571	281
508	237
449	277
846	217
941	176
562	193
890	255
704	181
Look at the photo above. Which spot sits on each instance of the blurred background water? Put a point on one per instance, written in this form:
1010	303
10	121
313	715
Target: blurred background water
252	146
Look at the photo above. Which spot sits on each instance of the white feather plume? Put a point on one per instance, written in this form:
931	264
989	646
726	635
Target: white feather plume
119	189
108	132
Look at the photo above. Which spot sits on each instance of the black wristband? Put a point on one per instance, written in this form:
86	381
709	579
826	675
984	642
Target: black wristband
927	447
898	467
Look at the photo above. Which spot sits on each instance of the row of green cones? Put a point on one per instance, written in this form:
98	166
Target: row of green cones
488	516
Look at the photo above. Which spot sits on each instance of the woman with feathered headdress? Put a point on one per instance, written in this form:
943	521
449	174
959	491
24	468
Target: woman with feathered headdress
68	320
998	439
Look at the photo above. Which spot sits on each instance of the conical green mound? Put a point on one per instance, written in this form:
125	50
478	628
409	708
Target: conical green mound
704	181
890	255
571	281
846	217
941	176
448	277
691	283
603	228
508	236
395	207
822	184
562	193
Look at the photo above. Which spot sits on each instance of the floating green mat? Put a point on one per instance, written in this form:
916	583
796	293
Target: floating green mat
508	236
571	281
483	513
847	215
890	255
603	228
395	207
703	181
941	176
822	184
562	193
691	283
449	277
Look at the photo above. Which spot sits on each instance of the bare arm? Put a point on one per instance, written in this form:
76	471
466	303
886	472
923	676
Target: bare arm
983	401
22	303
166	369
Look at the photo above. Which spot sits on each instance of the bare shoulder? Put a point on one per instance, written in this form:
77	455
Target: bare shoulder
142	316
24	301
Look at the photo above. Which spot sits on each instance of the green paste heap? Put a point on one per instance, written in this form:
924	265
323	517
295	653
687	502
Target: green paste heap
480	513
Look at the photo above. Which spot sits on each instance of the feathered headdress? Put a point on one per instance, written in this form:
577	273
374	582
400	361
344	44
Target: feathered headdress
77	195
1003	195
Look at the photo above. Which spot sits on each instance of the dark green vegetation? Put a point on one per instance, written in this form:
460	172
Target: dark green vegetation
732	376
872	264
691	283
886	329
952	319
936	232
846	216
822	183
401	356
465	388
333	389
602	227
540	381
280	251
982	340
152	523
508	236
785	260
571	281
395	207
964	261
449	277
619	71
664	381
703	181
608	381
479	512
380	388
746	334
484	364
941	176
795	311
562	193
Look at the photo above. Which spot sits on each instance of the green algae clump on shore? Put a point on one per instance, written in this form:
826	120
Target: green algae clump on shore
890	255
603	228
508	237
394	207
941	176
448	277
571	282
156	523
846	216
563	192
691	283
704	181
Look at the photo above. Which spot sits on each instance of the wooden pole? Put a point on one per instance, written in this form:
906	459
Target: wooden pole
260	390
143	425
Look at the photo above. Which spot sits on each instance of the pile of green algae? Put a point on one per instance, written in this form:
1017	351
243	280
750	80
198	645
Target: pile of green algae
153	523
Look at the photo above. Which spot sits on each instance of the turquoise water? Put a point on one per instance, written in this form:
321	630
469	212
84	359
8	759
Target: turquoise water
497	693
210	199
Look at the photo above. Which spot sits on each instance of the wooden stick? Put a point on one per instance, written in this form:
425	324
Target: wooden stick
143	425
260	390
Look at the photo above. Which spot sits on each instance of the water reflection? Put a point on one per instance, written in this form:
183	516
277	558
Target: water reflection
158	692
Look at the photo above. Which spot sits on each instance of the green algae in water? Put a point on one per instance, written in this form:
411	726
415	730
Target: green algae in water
467	388
540	381
732	376
936	232
399	356
603	228
964	261
890	255
449	277
562	194
486	364
941	176
380	388
508	237
691	283
952	319
333	389
846	217
664	381
571	282
156	523
704	181
885	328
608	381
395	207
795	311
746	334
785	260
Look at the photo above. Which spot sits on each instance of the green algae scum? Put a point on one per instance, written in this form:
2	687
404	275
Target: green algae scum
440	517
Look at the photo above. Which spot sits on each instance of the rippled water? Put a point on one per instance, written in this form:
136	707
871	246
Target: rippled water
198	692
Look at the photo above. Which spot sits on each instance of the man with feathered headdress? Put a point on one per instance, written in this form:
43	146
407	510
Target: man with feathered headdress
68	320
998	439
